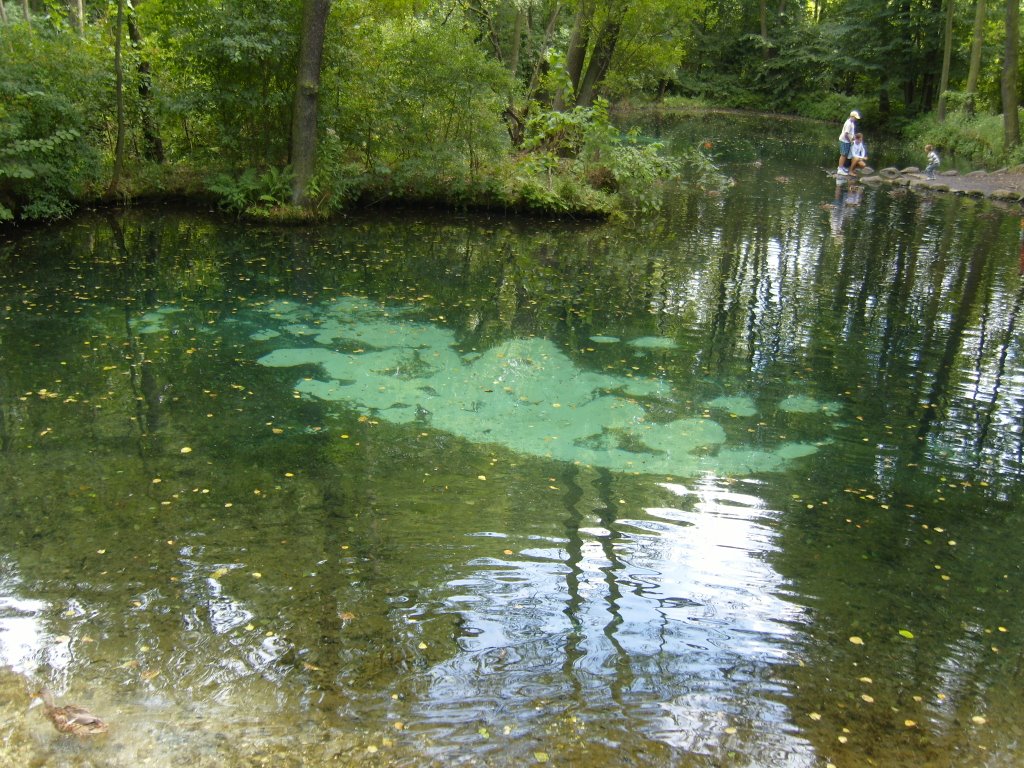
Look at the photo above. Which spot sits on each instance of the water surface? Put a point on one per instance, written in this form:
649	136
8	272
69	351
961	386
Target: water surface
738	485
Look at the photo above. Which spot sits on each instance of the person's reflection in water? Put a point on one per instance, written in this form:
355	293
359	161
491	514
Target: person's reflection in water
848	197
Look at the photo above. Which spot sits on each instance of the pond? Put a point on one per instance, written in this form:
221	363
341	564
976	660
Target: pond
736	485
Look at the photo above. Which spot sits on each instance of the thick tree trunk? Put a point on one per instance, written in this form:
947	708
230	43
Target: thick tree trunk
78	10
517	37
307	96
977	42
153	145
600	59
115	176
1011	120
26	10
576	52
947	56
3	13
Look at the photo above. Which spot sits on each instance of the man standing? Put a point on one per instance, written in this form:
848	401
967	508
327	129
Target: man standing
845	139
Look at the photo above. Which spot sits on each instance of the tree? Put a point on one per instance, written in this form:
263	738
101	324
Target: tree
977	42
307	93
947	55
1011	59
115	177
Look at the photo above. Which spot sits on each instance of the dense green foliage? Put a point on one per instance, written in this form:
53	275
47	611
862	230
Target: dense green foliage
498	103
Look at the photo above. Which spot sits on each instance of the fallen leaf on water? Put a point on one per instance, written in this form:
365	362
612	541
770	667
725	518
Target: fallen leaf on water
508	552
868	698
346	616
540	757
907	634
186	449
856	640
978	720
910	723
815	716
218	573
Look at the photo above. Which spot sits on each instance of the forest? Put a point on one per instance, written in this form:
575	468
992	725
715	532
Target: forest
299	109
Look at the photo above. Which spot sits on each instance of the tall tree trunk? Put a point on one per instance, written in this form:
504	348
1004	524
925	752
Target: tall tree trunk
307	96
3	13
26	10
1011	120
153	145
947	55
576	52
601	57
977	42
517	36
762	12
78	11
115	177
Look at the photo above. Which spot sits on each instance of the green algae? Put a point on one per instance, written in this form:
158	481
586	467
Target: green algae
653	342
525	394
739	405
806	404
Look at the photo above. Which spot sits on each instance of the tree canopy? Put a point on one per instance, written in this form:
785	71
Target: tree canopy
499	102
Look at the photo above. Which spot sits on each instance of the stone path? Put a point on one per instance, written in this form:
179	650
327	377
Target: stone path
1006	184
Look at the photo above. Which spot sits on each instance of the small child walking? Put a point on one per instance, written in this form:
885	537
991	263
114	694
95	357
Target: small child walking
933	161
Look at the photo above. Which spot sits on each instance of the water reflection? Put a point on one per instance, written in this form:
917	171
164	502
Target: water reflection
315	577
670	618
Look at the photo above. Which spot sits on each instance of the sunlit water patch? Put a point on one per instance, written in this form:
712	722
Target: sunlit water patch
525	394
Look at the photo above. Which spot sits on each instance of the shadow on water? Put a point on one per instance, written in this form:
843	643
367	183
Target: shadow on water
736	486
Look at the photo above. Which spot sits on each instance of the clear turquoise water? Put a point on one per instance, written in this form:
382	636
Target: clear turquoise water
738	485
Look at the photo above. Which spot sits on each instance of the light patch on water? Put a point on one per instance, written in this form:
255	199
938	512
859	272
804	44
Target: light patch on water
806	404
737	404
265	335
155	321
605	339
524	394
653	342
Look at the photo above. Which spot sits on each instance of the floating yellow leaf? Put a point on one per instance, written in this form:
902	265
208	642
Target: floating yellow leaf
910	723
481	477
978	720
856	640
540	757
257	575
219	573
869	699
422	646
907	634
815	716
186	449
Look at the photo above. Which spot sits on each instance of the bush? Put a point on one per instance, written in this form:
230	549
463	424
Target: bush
46	156
976	139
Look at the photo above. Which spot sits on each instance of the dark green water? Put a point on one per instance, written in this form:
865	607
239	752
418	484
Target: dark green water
736	486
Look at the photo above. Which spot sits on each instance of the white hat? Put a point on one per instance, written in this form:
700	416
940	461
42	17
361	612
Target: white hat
855	115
